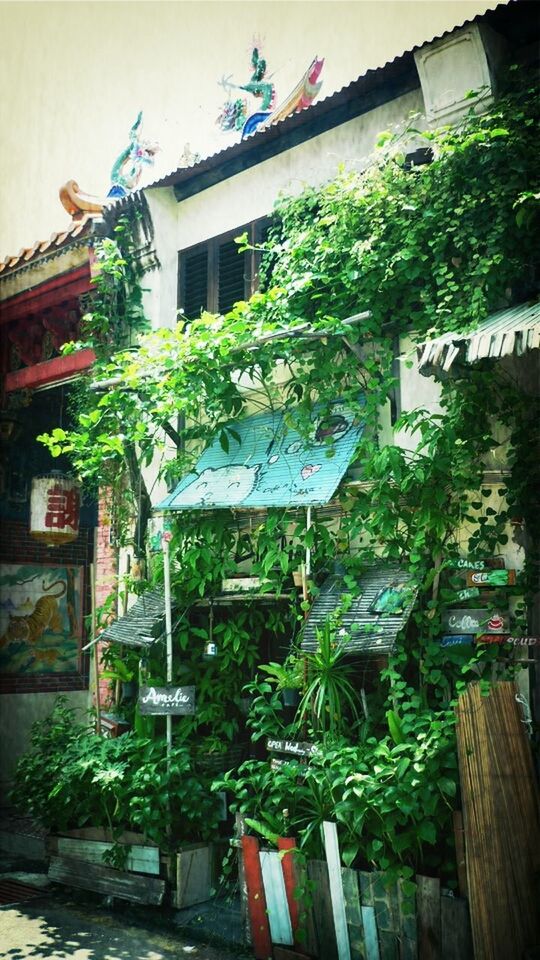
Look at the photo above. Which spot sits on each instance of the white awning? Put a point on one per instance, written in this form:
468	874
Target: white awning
510	332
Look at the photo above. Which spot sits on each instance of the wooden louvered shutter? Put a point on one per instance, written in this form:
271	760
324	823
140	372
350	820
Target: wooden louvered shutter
231	276
194	282
262	232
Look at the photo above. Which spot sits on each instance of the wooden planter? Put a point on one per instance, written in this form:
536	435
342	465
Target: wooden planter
77	861
193	875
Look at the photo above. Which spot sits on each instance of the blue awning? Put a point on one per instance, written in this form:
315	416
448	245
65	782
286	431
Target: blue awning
271	464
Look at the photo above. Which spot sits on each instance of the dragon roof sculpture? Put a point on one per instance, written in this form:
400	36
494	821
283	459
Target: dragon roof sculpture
302	96
234	114
125	176
127	169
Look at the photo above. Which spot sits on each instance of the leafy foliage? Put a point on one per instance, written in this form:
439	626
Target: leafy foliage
71	778
425	250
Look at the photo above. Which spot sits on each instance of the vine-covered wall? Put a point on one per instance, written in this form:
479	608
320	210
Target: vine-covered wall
426	250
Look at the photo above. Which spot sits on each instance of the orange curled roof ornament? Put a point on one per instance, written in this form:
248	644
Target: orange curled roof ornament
77	203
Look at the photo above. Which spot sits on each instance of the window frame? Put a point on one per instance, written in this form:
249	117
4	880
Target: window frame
252	260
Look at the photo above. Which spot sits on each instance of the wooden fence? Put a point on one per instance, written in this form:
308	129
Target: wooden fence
346	914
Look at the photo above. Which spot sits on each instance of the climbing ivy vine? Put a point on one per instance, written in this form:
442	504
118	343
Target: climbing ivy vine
425	250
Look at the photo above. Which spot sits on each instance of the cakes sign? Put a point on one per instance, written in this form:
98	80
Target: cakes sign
163	701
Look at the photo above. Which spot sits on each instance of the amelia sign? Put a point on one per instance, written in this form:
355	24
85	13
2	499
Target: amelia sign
160	701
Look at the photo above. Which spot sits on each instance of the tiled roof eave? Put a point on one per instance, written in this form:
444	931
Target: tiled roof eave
77	234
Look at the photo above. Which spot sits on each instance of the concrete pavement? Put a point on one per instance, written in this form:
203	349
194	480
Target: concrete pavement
46	930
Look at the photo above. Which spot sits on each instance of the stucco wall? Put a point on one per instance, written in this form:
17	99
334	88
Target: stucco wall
74	76
253	193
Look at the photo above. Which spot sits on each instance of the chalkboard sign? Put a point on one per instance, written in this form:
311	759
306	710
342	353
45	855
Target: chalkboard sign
292	747
493	563
480	620
491	578
163	701
456	639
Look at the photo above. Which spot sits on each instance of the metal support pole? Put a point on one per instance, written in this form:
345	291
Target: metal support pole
308	549
93	630
165	540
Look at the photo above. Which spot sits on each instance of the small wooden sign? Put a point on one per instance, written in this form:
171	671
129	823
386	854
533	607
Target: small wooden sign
469	593
277	763
292	747
492	563
240	584
163	701
493	638
456	639
474	621
491	578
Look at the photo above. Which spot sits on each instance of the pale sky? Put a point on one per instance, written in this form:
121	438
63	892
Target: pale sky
74	75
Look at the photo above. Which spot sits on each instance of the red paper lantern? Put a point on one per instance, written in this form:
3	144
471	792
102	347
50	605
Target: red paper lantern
55	508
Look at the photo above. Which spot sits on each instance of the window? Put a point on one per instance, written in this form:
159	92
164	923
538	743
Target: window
213	275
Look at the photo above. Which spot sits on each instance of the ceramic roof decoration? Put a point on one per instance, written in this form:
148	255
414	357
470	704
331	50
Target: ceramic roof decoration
269	464
373	620
376	86
77	203
301	97
234	112
127	169
512	331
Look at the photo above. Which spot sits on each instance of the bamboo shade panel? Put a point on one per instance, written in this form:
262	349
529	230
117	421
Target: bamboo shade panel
501	822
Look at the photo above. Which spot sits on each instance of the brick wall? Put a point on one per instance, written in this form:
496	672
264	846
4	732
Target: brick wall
106	573
17	546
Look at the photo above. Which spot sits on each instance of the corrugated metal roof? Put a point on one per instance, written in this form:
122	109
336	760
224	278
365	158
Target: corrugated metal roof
512	331
361	87
142	624
271	464
370	632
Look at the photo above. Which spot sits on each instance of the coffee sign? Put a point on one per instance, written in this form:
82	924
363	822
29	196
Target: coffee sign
163	701
474	621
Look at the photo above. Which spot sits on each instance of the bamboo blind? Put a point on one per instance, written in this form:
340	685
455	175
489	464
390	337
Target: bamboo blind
501	822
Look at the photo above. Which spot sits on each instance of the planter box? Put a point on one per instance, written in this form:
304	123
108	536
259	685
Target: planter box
240	584
105	836
140	859
193	875
106	880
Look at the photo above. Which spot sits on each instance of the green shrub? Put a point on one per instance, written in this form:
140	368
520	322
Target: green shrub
70	778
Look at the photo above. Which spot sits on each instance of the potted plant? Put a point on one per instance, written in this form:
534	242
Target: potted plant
330	696
288	677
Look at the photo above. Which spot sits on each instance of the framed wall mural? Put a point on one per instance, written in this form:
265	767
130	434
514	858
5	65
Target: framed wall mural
40	619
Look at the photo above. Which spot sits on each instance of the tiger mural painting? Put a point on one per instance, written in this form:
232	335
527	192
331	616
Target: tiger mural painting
45	616
40	618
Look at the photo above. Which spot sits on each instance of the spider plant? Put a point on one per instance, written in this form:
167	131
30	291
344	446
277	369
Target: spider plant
330	698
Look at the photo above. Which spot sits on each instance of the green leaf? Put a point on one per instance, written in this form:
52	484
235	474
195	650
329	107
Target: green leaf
427	832
448	786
